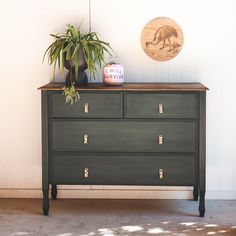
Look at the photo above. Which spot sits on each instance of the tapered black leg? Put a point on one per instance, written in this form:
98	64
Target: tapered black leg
54	191
45	202
195	192
202	204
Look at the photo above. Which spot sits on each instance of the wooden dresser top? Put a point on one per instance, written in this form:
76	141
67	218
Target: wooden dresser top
132	87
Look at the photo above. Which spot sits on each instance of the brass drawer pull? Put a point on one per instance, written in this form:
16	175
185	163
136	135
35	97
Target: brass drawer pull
85	138
160	139
161	173
86	107
161	108
86	172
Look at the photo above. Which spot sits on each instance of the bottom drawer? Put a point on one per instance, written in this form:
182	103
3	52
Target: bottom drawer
123	169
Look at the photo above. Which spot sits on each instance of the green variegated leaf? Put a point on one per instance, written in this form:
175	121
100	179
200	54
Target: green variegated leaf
60	50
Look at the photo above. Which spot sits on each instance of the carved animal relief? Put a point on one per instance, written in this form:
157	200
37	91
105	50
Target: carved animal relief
162	39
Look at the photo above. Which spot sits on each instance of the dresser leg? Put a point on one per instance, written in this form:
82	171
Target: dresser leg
202	204
54	191
195	192
45	202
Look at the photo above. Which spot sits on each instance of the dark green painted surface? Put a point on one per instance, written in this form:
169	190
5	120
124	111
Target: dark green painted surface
175	105
202	153
118	136
45	152
123	169
101	105
202	142
45	155
123	149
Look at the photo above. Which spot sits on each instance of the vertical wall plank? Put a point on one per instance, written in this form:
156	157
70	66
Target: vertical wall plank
175	73
162	72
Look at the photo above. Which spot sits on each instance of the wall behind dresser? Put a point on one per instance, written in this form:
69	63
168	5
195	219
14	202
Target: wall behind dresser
208	56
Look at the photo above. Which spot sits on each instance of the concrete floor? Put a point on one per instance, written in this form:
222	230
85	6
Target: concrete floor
116	217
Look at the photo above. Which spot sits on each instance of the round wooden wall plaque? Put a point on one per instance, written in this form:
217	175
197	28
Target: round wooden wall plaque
162	39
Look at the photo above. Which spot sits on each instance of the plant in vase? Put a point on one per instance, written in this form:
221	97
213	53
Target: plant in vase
76	52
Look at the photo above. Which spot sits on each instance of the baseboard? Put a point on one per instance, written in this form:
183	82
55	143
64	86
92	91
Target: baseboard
121	192
221	195
112	192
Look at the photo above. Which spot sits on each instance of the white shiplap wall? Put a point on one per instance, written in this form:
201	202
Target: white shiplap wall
207	57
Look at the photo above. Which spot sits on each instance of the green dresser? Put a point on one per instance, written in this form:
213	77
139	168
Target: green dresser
149	134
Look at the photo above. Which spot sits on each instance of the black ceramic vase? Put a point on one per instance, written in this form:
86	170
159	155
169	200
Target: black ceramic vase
82	78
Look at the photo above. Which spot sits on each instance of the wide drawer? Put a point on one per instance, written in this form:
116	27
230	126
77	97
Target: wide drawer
161	105
123	170
90	105
123	136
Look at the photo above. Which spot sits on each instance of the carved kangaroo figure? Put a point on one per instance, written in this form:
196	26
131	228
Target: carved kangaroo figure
162	34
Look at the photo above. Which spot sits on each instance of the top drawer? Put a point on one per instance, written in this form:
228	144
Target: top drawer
161	105
90	105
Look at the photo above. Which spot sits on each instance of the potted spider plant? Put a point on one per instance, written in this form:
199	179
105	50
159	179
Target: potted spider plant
76	52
